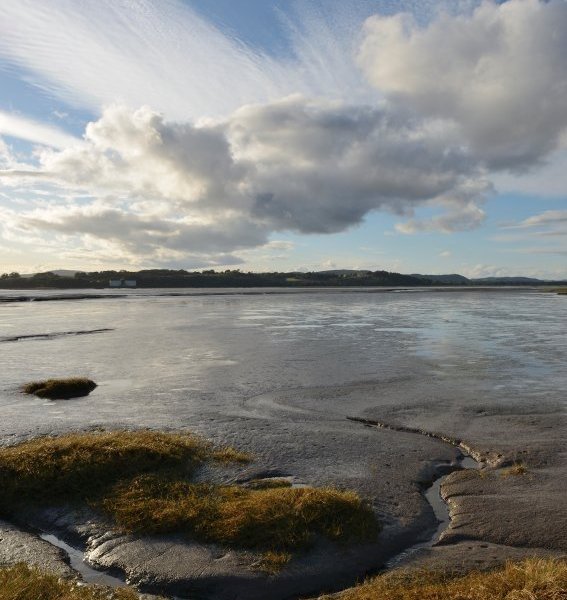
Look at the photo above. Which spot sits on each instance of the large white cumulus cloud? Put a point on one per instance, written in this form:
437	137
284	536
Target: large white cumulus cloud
500	73
295	164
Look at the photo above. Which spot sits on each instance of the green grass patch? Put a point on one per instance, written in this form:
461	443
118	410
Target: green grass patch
60	389
142	480
21	582
531	579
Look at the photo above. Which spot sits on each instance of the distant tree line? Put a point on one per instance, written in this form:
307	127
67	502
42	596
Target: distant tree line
166	278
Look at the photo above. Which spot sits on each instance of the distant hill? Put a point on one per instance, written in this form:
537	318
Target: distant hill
508	280
345	272
64	272
452	279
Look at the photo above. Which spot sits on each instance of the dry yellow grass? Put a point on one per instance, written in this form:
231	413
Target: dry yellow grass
273	518
228	455
272	482
514	470
60	389
21	582
142	480
273	562
532	579
83	466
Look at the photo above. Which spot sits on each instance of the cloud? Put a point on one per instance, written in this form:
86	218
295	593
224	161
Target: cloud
6	158
102	235
498	72
320	167
32	131
461	215
167	55
546	218
540	234
300	165
481	270
548	180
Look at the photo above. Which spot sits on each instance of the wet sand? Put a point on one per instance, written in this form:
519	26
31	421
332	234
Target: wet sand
497	387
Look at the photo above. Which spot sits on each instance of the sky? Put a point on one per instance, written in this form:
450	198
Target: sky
411	136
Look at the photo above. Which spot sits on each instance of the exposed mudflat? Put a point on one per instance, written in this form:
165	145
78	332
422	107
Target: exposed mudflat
18	546
279	375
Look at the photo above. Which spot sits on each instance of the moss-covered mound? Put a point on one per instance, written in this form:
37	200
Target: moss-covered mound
60	389
534	579
143	481
23	583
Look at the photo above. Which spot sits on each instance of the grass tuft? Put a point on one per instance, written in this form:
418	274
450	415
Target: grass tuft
142	481
531	579
60	389
21	582
273	518
229	455
273	562
269	483
514	471
84	466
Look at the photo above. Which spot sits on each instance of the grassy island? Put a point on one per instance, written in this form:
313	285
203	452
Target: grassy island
143	482
60	389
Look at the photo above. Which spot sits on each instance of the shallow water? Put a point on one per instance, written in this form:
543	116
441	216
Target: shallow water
163	359
77	562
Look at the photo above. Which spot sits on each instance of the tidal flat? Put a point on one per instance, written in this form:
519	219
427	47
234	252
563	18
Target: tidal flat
375	393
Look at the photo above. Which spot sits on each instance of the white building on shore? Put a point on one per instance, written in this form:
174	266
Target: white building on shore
122	283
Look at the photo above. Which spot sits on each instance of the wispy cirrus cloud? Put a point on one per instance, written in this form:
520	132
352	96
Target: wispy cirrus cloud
548	218
14	125
166	55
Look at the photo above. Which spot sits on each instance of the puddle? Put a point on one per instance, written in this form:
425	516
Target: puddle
77	562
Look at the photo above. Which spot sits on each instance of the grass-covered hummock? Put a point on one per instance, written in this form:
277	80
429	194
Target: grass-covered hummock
21	582
60	389
143	481
276	518
518	468
85	466
531	579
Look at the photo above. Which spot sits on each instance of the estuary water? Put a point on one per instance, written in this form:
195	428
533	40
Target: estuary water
184	357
